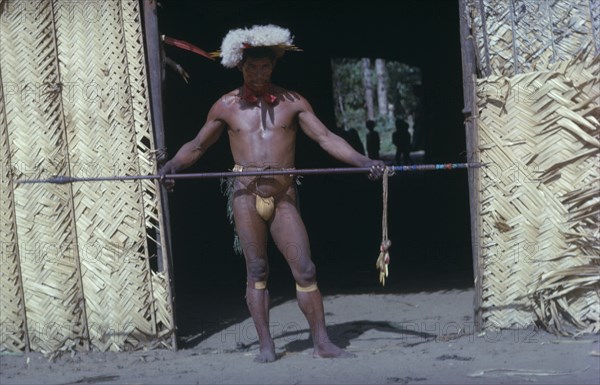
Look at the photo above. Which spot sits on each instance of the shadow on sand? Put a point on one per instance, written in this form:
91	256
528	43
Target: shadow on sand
206	315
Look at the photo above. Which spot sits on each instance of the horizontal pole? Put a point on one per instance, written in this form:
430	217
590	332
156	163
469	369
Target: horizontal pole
228	174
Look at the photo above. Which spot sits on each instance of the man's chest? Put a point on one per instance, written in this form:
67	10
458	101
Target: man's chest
262	119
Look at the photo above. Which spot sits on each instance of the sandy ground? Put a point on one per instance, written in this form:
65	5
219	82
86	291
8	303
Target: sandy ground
420	338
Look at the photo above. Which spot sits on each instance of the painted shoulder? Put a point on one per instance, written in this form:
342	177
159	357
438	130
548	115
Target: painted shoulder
229	99
287	96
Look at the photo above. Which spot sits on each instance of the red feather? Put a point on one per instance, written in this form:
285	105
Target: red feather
187	46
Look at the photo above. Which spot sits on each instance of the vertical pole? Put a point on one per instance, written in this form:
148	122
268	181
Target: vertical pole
488	68
154	62
153	58
513	27
470	114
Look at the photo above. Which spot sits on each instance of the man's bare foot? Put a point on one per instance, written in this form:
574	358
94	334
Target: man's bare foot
266	354
329	350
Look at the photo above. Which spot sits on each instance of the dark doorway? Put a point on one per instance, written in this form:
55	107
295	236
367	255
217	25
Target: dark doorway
428	212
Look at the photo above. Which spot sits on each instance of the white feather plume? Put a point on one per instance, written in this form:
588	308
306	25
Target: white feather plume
232	48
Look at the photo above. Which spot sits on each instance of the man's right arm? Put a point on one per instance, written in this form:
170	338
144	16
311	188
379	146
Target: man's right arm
191	151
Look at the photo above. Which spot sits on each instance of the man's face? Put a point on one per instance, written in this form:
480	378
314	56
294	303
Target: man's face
257	73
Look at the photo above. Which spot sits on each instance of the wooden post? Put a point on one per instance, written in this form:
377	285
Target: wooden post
470	114
155	74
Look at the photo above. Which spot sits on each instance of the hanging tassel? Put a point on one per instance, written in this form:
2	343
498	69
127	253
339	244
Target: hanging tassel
383	261
384	255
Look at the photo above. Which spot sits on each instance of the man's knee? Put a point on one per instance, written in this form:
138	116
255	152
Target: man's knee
306	274
257	269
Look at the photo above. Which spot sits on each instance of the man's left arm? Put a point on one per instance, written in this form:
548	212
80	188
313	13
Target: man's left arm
333	144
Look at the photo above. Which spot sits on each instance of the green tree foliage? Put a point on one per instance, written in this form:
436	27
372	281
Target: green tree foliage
403	79
349	93
350	104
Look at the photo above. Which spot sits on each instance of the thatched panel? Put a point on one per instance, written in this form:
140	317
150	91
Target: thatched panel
519	36
495	42
147	164
76	103
539	201
13	324
164	309
572	27
102	132
595	14
538	113
45	222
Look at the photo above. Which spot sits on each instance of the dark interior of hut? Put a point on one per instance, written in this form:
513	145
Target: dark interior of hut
428	215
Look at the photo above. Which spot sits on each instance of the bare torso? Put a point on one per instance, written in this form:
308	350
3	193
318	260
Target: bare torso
262	135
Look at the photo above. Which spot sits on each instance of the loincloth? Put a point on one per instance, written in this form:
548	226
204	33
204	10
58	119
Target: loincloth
265	202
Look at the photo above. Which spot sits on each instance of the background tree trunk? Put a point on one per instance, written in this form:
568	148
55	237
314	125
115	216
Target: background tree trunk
342	112
366	67
381	87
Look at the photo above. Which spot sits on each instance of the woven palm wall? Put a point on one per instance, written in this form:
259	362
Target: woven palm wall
76	258
537	97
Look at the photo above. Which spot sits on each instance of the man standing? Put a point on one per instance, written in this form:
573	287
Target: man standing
351	136
373	141
401	139
262	120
